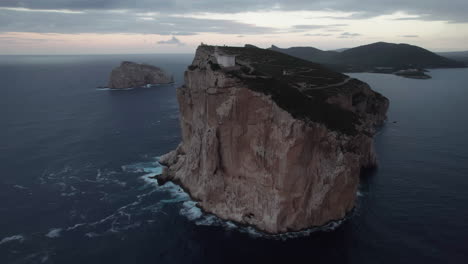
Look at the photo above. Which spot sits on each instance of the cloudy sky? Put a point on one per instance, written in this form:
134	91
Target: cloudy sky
178	26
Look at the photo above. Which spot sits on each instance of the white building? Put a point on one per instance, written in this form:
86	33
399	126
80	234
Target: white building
225	60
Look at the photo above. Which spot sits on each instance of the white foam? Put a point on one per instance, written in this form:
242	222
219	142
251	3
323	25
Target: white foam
148	167
54	233
291	235
19	238
111	89
147	178
103	220
175	200
190	210
175	191
141	196
231	225
121	183
132	226
92	234
153	208
68	194
251	231
75	226
101	178
209	220
20	187
193	213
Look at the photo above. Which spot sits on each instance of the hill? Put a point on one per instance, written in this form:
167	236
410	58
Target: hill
457	55
372	57
310	54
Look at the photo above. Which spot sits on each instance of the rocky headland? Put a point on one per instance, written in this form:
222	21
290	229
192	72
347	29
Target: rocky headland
131	75
270	140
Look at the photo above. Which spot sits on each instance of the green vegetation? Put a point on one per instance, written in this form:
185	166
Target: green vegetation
457	55
214	66
278	75
369	57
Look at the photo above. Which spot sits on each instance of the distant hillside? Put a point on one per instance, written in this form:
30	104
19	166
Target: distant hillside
395	55
457	55
310	54
341	50
372	56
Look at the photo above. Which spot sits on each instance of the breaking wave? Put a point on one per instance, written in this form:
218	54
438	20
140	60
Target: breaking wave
54	233
19	238
110	89
137	201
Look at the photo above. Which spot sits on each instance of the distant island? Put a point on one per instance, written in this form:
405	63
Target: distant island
270	140
131	75
413	74
410	61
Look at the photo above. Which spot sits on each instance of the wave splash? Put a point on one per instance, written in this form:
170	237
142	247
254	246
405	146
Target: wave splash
19	238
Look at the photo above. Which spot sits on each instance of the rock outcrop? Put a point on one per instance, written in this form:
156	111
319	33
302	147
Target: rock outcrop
275	142
131	74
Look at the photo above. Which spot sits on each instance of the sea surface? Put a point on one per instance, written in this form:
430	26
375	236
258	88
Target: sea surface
75	163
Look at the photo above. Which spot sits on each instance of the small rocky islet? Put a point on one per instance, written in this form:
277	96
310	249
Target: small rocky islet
132	75
270	140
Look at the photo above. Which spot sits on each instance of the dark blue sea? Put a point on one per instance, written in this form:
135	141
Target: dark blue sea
75	163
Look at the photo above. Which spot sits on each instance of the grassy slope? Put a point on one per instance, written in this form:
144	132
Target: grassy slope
380	54
308	105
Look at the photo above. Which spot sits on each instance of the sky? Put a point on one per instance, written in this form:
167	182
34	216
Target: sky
179	26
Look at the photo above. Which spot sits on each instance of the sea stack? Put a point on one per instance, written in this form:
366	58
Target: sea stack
270	140
131	75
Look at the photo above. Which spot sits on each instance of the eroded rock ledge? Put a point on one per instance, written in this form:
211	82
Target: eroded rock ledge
272	141
131	75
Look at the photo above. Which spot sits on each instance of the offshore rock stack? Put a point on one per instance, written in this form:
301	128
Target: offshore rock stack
131	75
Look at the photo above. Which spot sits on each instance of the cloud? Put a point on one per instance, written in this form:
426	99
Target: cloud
326	28
172	41
318	35
334	30
409	18
349	35
409	36
19	40
173	17
449	10
126	22
312	27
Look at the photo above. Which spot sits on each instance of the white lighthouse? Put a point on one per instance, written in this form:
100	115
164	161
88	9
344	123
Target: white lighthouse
225	60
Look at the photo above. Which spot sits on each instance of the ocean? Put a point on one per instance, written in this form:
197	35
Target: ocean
76	161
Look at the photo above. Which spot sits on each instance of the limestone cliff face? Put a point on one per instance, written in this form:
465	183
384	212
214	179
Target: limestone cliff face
130	74
274	142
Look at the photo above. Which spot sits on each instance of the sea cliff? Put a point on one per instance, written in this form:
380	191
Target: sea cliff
272	141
